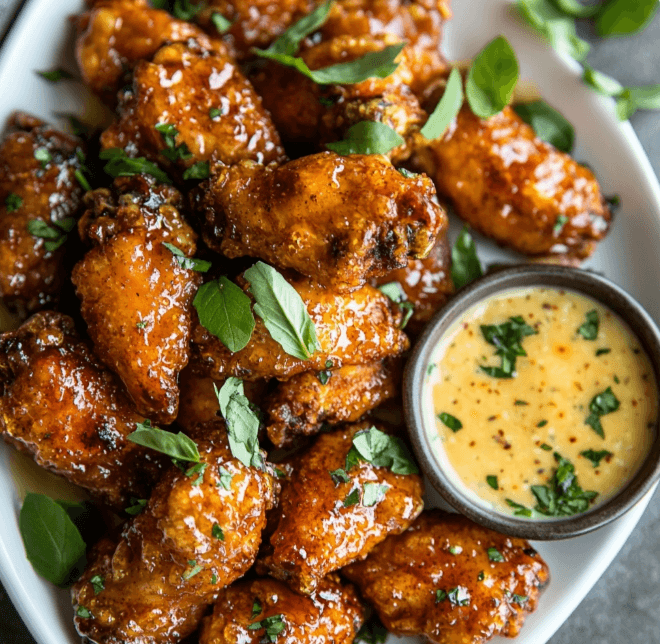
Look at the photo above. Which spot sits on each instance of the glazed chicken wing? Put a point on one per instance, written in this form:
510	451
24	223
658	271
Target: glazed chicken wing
355	328
332	615
302	405
59	404
515	188
418	587
136	296
338	220
37	184
199	532
322	525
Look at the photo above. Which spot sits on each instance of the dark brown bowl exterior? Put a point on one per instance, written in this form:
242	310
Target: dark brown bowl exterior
559	277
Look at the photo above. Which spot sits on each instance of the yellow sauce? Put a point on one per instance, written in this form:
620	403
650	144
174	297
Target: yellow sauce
559	377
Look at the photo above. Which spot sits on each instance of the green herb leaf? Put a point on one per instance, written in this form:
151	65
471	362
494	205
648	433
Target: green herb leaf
230	387
198	470
546	447
172	152
519	599
492	78
13	202
290	40
372	631
82	180
596	456
520	402
339	476
323	376
283	311
589	329
450	421
83	612
548	124
53	544
243	430
632	99
576	9
273	626
98	584
190	263
225	478
560	222
495	555
199	170
217	533
603	351
491	479
56	75
481	576
194	569
602	404
447	109
623	17
373	493
181	9
395	292
455	550
256	608
120	165
440	595
459	596
519	510
381	450
221	24
136	507
466	266
352	499
602	83
55	234
542	423
178	446
507	338
224	311
43	156
367	137
215	112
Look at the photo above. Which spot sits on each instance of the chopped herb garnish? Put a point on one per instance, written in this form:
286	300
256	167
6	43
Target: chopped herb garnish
221	24
602	404
440	595
367	137
589	329
546	447
339	476
43	156
120	165
142	324
450	421
273	626
198	471
136	507
491	479
602	352
98	584
466	266
481	576
13	202
596	456
518	599
455	550
199	170
459	596
373	493
216	112
447	109
495	555
518	509
195	569
407	173
214	579
181	9
550	126
542	423
217	533
506	338
372	631
83	612
55	234
560	222
323	376
56	75
352	499
616	379
395	292
429	369
172	151
521	402
190	263
82	180
225	478
256	609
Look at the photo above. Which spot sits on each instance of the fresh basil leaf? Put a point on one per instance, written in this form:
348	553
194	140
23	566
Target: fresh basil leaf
381	450
450	421
136	507
548	124
56	75
55	235
194	569
545	447
43	156
495	555
576	9
290	40
178	446
256	609
197	469
243	430
352	499
98	584
199	170
637	98
339	476
120	165
518	599
447	109
507	338
459	596
465	267
225	478
230	387
491	479
273	626
440	595
373	493
589	328
395	292
520	403
224	311
282	311
623	17
372	631
190	263
596	456
602	404
84	613
492	78
222	25
215	112
13	202
519	510
542	423
53	544
367	137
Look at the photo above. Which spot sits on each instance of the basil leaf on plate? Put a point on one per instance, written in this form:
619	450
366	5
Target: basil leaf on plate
548	124
575	9
53	544
367	137
56	75
492	78
447	109
224	311
623	17
282	311
178	446
120	165
465	267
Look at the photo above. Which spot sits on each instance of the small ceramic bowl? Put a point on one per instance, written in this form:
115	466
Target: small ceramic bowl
587	283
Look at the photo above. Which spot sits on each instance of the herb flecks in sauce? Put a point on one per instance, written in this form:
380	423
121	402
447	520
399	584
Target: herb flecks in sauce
507	337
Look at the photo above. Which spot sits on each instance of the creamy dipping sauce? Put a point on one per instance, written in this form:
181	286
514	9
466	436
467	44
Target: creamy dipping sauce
499	435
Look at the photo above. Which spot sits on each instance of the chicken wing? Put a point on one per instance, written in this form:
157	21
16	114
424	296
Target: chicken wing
332	615
199	532
59	404
37	184
302	405
338	220
321	526
136	296
354	328
451	580
515	188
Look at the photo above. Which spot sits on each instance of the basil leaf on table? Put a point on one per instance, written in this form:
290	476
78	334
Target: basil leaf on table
492	78
53	544
224	311
367	137
178	446
191	263
120	165
282	311
623	17
447	109
465	267
548	124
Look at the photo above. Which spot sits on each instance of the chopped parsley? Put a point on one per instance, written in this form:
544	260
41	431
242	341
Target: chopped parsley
603	351
546	447
491	479
217	533
215	112
55	233
440	595
459	596
589	328
119	164
495	555
602	404
172	151
83	612
256	609
596	456
542	423
323	376
273	626
450	421
43	156
507	339
98	584
13	202
481	576
518	509
194	569
521	402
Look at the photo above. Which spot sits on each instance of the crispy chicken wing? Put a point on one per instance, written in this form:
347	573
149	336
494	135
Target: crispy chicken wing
515	188
115	34
338	220
418	587
199	532
59	404
42	189
300	406
136	297
332	615
354	328
318	531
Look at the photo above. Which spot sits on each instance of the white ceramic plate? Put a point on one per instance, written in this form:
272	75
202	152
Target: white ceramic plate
41	39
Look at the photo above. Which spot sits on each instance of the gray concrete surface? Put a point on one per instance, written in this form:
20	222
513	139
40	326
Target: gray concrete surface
624	606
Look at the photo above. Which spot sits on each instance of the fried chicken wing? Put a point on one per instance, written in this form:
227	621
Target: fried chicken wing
418	587
319	528
37	183
189	105
59	404
136	296
199	532
332	615
115	34
355	328
300	406
338	220
515	188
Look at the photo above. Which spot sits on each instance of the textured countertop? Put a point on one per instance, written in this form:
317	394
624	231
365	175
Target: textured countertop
623	606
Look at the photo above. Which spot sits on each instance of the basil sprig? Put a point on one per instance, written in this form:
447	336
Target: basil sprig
465	265
222	25
120	165
191	263
447	109
548	124
367	137
178	446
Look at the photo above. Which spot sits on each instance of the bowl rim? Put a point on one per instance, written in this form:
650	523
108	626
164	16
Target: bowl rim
589	283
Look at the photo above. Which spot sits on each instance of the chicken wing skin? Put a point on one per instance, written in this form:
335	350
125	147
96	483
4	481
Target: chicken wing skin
316	532
59	404
515	188
136	297
32	189
300	406
332	615
352	329
170	562
484	598
338	220
115	34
